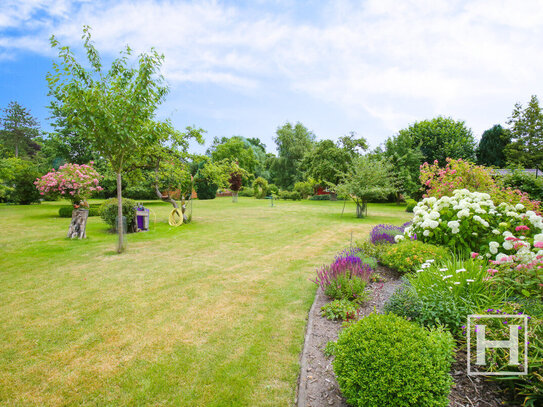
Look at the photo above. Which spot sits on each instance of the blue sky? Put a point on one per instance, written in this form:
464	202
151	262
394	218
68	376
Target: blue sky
246	67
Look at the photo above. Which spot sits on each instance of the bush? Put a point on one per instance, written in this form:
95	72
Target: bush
386	233
205	189
411	203
24	191
384	360
325	197
66	211
141	191
247	192
470	221
274	189
405	303
260	188
528	183
108	212
340	309
293	195
304	189
345	278
407	256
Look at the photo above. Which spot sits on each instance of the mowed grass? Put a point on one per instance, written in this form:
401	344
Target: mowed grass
209	314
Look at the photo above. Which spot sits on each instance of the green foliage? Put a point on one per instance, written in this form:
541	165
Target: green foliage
411	203
326	162
292	195
367	179
340	309
384	360
528	183
248	192
66	211
260	188
17	178
325	197
405	302
347	287
109	210
491	148
406	158
408	255
274	189
20	130
210	177
439	139
304	188
293	142
370	249
235	149
526	148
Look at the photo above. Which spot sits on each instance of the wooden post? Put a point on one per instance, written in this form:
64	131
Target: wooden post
78	225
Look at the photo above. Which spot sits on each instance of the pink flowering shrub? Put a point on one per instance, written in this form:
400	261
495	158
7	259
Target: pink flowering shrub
460	174
72	181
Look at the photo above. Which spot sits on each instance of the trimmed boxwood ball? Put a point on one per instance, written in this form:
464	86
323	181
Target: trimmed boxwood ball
385	360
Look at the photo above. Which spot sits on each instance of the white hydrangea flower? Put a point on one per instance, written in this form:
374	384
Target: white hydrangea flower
519	207
399	238
426	233
507	245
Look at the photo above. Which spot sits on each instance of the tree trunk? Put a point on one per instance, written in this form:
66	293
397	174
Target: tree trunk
120	230
167	198
361	209
234	196
78	226
16	150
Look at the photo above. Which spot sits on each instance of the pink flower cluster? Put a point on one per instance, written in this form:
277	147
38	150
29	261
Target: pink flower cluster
75	182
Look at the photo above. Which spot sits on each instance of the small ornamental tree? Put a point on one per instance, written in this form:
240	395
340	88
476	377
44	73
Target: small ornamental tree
115	110
72	181
367	179
235	181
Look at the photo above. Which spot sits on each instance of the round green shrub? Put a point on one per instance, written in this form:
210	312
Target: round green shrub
385	360
205	189
325	197
260	188
408	255
248	192
108	212
411	203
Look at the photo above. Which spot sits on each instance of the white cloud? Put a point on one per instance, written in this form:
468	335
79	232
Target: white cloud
396	61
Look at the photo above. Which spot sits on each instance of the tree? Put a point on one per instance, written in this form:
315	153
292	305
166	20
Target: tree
491	149
439	139
293	142
20	130
210	177
355	146
114	110
326	162
236	149
17	178
526	148
367	179
406	160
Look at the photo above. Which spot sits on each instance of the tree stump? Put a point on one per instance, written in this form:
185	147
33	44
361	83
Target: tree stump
78	225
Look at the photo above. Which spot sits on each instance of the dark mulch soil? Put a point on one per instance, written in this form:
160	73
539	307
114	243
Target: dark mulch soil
317	385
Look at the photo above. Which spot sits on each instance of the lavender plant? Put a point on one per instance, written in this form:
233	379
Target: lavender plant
384	233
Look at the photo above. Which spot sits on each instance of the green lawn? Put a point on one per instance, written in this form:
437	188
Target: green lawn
208	314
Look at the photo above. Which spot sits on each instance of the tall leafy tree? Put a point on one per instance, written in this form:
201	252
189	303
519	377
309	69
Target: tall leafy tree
526	148
367	179
440	138
491	148
406	160
328	161
236	149
20	130
293	142
115	110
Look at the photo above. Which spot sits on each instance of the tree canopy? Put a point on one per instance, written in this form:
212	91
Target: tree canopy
293	142
491	148
20	131
526	124
440	138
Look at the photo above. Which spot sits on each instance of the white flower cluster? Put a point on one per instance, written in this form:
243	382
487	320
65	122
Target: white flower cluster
475	216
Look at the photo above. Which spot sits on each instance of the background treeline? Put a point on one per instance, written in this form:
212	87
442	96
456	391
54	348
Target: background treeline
301	166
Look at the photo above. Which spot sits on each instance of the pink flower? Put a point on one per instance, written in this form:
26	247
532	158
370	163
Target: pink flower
474	255
539	245
492	271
